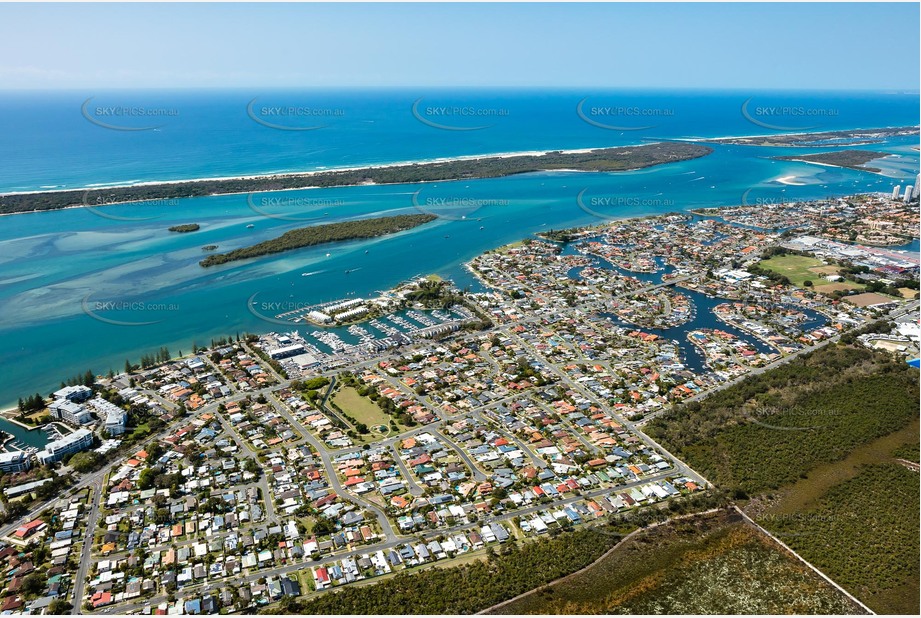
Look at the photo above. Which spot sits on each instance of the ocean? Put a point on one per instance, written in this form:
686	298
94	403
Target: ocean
88	288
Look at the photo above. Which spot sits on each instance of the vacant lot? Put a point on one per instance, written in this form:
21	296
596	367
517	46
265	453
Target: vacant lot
825	270
40	417
843	286
360	408
865	300
713	564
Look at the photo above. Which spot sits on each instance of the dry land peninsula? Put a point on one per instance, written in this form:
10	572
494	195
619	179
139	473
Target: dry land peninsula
599	160
851	159
847	137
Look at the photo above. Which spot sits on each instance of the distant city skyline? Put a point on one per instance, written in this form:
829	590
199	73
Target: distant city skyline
840	46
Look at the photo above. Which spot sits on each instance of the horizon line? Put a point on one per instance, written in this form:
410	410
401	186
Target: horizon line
891	90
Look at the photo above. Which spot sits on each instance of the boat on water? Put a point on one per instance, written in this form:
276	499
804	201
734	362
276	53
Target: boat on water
250	225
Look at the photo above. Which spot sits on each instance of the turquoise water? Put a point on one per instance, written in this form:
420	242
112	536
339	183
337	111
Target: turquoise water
29	437
47	141
703	316
80	289
912	247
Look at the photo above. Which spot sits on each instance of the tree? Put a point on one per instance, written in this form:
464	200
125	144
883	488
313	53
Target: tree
33	585
31	403
59	607
250	465
40	554
146	478
85	461
323	526
154	451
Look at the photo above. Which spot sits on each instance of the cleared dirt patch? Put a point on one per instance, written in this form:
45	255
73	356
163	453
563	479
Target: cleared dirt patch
867	299
824	270
828	288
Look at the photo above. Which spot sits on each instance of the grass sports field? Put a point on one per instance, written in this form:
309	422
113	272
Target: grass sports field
360	408
799	269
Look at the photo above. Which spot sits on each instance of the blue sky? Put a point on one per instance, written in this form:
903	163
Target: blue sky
778	45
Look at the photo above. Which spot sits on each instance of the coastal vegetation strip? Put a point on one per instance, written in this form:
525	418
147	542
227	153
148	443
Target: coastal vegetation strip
598	160
321	234
849	137
851	159
185	227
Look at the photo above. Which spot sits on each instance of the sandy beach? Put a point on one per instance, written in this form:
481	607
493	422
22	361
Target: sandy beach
313	172
784	134
862	169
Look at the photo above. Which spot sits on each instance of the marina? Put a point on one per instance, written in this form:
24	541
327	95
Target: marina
332	347
16	437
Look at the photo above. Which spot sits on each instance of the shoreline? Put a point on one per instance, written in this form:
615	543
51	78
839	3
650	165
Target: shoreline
789	181
796	134
12	420
474	167
488	287
312	172
823	164
385	165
